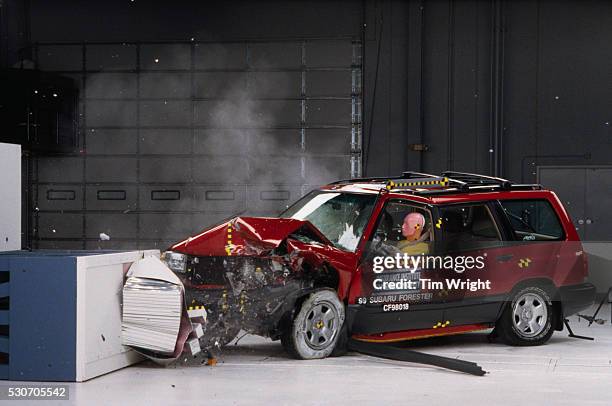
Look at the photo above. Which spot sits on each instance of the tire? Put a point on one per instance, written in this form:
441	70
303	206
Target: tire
528	318
316	327
341	347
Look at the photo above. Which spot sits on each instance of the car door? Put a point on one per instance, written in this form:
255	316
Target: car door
475	287
539	242
408	307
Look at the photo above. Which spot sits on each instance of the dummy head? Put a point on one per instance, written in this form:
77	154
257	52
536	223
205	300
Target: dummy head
413	225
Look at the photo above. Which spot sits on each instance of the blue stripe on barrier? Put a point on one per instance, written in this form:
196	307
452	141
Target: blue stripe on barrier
4	371
4	289
4	317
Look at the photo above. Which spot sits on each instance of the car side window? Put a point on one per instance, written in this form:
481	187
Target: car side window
467	226
533	220
403	227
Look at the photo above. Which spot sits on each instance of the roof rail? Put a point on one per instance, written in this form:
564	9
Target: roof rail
411	174
475	179
448	182
476	189
353	180
404	175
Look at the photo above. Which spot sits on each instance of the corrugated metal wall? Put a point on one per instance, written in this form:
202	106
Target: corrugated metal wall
557	86
177	136
428	80
489	86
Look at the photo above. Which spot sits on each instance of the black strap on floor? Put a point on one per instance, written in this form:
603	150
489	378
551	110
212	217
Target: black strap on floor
571	333
400	354
593	318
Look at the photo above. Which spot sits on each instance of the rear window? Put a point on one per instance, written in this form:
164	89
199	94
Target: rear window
468	222
533	220
467	227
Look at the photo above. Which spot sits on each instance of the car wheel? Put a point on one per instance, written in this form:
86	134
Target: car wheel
528	318
315	329
341	347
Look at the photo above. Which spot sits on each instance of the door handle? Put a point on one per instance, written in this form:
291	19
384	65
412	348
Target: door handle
504	258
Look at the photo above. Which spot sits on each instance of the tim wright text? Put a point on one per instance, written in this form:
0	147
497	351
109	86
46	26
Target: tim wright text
428	284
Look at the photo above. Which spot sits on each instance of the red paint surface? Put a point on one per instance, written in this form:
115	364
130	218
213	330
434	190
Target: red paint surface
257	236
423	333
558	262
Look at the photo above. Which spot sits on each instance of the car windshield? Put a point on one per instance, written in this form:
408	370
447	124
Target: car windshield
341	217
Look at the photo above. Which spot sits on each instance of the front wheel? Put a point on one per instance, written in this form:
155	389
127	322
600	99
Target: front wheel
316	327
528	318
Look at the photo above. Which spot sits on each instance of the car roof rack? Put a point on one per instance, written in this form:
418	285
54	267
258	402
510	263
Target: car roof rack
408	176
412	183
473	179
361	180
449	182
477	188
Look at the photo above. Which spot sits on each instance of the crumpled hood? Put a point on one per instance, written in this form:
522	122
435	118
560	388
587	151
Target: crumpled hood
247	236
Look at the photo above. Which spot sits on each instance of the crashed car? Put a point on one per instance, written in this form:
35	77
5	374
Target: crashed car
308	277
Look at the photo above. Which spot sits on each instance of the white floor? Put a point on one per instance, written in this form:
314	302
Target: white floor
566	371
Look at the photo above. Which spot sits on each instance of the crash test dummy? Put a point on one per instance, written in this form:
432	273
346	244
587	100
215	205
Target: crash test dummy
416	235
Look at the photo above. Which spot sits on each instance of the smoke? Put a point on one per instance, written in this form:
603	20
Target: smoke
270	132
248	144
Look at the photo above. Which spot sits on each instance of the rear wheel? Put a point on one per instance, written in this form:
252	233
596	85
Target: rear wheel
528	318
316	327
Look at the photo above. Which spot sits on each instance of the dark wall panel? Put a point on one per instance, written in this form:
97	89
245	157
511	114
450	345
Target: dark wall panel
494	86
433	86
164	143
520	96
437	84
486	86
557	85
152	20
465	149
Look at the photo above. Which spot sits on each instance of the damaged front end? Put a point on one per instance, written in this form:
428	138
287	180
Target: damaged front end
249	273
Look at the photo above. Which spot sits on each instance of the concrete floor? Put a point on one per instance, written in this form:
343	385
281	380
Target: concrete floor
566	371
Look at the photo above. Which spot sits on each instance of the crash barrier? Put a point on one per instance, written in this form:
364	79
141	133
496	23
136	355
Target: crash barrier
155	322
60	314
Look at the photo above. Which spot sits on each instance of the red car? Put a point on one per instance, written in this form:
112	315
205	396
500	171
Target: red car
343	262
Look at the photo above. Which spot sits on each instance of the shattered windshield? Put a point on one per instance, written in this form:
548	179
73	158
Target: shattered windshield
341	217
